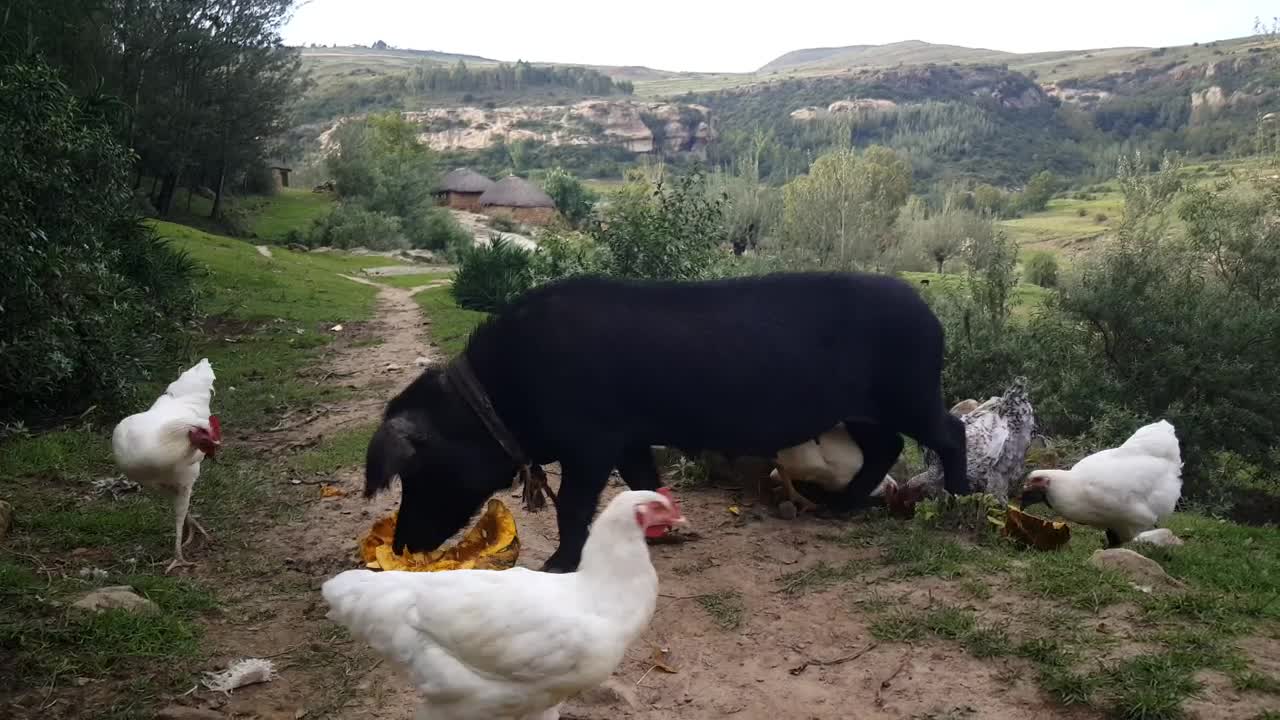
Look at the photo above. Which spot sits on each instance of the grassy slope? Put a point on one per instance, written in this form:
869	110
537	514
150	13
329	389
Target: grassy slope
289	209
450	324
270	320
1063	229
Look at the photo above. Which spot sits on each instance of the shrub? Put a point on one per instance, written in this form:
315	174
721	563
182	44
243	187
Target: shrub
564	254
1041	268
572	198
1100	217
489	277
1082	212
349	226
91	301
434	228
670	232
502	223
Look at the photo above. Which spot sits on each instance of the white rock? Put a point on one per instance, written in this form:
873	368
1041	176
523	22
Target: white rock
114	597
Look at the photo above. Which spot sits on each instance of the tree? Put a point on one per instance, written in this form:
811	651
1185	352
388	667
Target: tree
90	300
669	232
1039	191
572	198
1041	268
944	234
842	213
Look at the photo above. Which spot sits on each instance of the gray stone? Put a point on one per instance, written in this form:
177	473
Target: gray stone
120	597
1145	573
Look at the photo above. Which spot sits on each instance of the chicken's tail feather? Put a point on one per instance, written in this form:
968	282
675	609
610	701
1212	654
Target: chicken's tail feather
198	380
1158	440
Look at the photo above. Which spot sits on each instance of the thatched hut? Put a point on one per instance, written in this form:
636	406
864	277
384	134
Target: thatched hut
462	188
519	200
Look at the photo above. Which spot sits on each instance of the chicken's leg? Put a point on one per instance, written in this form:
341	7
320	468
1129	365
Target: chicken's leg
181	503
802	503
194	525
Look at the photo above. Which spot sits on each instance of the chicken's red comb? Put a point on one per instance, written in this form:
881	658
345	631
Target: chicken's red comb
657	531
215	428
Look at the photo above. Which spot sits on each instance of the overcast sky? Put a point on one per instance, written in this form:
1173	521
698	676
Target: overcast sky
727	36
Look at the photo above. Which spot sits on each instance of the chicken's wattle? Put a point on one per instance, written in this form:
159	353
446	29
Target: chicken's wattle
657	531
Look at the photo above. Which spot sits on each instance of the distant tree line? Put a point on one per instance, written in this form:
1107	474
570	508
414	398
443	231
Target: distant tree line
429	78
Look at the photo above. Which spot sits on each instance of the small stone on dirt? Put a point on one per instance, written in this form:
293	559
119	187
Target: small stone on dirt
181	712
421	361
121	597
787	510
1145	573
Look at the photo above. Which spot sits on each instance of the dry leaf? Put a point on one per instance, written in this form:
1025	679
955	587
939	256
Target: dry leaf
491	544
328	491
734	509
1034	531
661	658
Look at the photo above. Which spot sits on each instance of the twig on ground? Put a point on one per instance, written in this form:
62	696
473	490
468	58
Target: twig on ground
838	661
884	684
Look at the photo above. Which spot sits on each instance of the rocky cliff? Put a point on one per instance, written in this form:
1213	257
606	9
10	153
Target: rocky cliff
640	127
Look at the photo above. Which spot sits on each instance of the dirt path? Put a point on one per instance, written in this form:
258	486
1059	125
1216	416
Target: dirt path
736	641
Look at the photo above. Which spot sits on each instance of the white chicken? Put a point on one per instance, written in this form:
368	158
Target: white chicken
1124	490
161	449
829	462
997	435
512	644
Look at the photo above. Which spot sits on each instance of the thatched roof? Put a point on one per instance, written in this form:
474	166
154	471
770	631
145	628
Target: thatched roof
515	192
465	180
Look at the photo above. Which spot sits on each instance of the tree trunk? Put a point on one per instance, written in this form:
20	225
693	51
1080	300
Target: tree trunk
217	190
939	266
164	202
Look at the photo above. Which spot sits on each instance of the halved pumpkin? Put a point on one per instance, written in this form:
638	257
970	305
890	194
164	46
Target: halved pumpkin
490	544
1031	530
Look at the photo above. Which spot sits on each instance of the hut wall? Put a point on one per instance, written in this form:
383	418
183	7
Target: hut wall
463	201
525	215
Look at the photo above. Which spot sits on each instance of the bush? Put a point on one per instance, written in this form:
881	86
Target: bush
564	254
502	223
350	226
572	198
1041	269
490	277
1082	212
667	232
91	301
434	228
1100	217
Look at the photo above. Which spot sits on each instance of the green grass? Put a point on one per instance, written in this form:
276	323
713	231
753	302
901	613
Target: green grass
415	280
725	608
289	209
450	324
820	577
1233	578
269	319
302	288
345	449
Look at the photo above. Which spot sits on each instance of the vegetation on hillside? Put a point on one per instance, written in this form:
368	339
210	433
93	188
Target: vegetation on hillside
385	179
430	81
